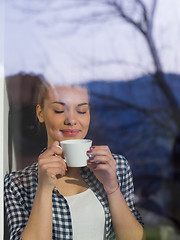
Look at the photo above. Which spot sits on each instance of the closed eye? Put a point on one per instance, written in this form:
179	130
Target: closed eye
81	112
58	111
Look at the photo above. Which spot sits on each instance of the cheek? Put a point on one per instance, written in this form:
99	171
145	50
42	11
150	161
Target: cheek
52	121
86	122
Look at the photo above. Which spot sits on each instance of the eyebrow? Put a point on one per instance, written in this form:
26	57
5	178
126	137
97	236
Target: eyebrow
82	104
62	103
59	103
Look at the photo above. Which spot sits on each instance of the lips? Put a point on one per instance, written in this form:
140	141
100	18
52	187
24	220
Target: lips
70	132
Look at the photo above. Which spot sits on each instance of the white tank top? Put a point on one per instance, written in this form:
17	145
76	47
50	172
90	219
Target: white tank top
87	214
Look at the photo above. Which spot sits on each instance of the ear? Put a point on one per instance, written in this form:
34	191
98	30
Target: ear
39	113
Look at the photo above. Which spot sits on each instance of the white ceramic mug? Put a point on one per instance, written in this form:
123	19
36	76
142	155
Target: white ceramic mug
75	151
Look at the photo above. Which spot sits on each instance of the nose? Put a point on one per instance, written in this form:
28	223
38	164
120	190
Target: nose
70	118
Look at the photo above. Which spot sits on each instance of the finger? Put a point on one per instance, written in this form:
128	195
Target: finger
101	167
105	159
55	164
55	161
55	149
97	166
57	144
51	160
98	159
53	168
99	150
56	171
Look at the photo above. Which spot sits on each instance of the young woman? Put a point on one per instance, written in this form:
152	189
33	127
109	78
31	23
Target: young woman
49	200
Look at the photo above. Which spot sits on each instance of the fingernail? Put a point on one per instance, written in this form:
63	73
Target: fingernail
89	151
59	147
94	167
91	158
92	147
92	155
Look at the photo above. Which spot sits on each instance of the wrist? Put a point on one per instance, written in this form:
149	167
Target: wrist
44	190
113	190
111	187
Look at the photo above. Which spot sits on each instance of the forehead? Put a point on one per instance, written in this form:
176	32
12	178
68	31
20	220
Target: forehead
69	94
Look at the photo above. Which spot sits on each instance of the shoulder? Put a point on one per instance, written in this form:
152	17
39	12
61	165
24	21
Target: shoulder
23	177
121	162
123	170
120	158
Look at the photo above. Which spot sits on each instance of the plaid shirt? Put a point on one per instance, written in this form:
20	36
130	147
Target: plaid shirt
20	189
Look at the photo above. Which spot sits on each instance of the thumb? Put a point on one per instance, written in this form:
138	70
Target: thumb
57	144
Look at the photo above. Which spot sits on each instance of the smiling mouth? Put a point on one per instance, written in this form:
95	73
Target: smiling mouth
70	133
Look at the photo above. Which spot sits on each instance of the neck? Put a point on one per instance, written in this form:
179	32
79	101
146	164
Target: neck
73	172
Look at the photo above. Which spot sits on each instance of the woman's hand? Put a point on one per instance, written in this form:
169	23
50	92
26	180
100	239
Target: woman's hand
51	166
104	167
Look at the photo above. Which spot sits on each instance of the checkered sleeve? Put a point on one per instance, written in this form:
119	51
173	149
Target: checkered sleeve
17	214
125	179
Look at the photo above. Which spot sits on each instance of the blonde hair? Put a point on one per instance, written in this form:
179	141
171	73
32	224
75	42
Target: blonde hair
46	87
43	93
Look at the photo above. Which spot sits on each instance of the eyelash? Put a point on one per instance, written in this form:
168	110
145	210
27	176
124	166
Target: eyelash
63	111
58	111
81	112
